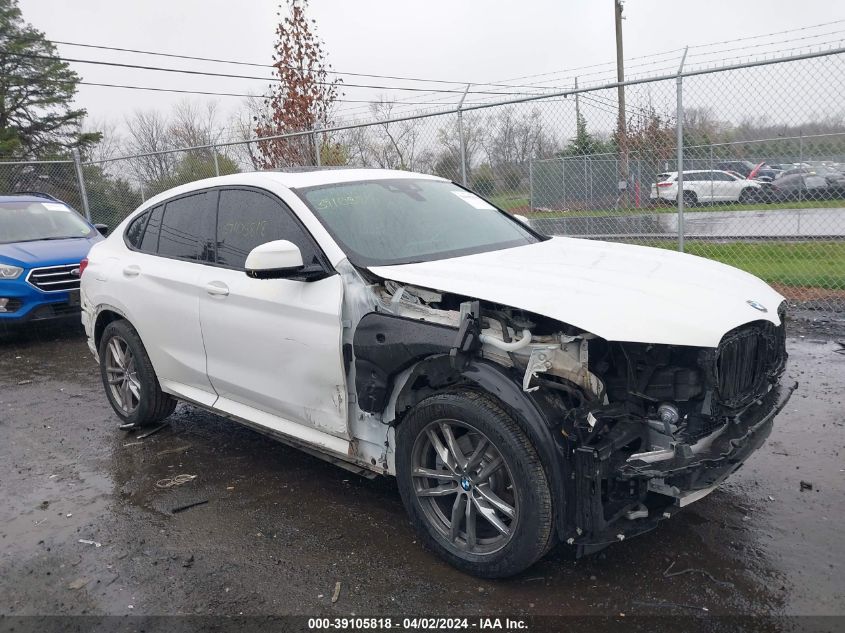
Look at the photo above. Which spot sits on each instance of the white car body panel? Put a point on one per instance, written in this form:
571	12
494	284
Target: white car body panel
619	292
275	345
163	298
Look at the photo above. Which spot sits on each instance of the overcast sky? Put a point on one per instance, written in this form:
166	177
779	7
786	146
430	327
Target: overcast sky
470	40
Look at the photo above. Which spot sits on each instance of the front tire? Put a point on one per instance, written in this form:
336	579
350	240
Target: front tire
747	195
131	385
473	484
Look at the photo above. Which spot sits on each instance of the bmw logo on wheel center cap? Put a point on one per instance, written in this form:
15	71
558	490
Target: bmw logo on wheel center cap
466	484
757	305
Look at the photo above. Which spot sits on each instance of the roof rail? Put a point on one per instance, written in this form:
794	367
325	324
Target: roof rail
293	169
39	194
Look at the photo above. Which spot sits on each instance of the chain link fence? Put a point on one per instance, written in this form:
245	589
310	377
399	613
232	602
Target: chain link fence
760	146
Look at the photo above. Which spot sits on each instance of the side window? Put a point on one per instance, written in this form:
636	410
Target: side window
149	244
187	227
693	176
723	177
136	230
246	219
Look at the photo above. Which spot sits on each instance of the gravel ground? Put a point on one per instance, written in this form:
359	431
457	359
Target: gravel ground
279	529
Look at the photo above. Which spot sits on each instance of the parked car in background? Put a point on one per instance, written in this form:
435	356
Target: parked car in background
834	179
42	241
706	186
743	167
798	185
524	390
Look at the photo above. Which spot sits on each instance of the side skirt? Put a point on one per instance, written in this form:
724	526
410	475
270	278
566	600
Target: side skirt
327	447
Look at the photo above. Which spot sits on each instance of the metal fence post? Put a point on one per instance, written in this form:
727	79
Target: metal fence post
461	137
563	181
585	182
318	159
77	162
800	161
679	125
531	184
214	155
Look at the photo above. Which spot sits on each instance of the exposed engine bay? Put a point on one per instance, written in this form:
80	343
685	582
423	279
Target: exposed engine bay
638	430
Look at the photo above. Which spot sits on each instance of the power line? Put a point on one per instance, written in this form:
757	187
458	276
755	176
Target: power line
447	81
227	94
233	76
257	65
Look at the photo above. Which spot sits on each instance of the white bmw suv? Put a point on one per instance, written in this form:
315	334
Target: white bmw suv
524	390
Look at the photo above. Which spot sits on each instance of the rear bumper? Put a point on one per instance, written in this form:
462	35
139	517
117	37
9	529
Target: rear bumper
663	488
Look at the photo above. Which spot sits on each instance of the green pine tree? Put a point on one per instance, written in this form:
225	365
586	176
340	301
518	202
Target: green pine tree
37	117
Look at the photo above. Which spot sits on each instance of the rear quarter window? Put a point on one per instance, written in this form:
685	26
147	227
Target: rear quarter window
149	243
135	233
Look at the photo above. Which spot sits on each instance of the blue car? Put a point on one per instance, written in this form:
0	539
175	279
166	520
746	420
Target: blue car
42	241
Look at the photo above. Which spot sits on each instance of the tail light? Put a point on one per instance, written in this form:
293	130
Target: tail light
665	184
82	266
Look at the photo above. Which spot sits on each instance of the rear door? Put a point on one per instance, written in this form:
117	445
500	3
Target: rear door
159	279
699	183
271	344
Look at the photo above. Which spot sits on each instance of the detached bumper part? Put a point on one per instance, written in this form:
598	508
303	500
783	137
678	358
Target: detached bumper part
612	490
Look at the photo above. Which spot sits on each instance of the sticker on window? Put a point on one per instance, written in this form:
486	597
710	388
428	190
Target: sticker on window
54	206
474	200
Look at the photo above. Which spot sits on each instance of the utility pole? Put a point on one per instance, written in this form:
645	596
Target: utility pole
620	77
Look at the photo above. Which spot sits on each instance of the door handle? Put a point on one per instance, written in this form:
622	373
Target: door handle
217	289
132	271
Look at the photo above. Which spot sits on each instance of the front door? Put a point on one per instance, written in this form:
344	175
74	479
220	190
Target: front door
272	344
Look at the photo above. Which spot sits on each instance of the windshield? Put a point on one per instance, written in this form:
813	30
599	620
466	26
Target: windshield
30	221
403	220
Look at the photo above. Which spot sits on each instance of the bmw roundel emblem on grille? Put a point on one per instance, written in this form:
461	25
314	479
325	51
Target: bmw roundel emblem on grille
757	305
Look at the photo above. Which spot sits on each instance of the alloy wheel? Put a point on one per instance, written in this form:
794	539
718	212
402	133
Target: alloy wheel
465	487
122	375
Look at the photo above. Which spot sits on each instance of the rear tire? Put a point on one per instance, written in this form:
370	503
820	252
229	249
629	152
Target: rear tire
485	474
131	385
690	198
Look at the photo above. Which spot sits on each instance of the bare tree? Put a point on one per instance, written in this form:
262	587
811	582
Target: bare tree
512	140
448	162
385	144
110	144
192	124
242	125
149	136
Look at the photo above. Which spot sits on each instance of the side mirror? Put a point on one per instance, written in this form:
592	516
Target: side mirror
102	228
274	260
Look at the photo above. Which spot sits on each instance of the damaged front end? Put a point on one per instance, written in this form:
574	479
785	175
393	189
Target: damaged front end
674	423
629	432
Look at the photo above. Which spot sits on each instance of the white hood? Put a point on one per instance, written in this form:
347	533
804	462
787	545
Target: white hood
619	292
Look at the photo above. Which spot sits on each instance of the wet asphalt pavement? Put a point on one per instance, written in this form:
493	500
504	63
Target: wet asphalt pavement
279	528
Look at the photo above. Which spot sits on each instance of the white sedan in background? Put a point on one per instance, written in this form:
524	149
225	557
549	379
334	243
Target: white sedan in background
702	186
